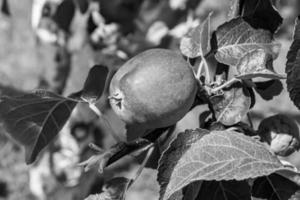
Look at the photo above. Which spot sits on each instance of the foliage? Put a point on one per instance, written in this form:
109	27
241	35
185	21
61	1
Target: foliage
220	159
35	119
292	66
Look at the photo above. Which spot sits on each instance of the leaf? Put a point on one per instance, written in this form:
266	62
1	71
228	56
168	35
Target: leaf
5	9
236	37
268	89
224	190
293	80
218	155
252	96
264	73
291	173
35	119
114	189
262	14
244	128
197	42
95	83
233	105
293	67
295	46
274	187
167	164
191	191
258	13
234	9
257	63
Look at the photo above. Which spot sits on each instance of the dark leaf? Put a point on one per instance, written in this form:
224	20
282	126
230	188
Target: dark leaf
274	187
197	43
237	37
114	189
191	191
232	105
261	14
168	162
216	126
257	63
295	46
218	155
269	89
224	190
293	67
290	172
222	69
95	83
252	96
5	8
244	128
35	119
281	132
128	148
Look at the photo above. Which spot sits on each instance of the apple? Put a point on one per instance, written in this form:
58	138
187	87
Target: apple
154	89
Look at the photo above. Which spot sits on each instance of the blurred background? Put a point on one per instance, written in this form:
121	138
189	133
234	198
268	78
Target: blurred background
52	44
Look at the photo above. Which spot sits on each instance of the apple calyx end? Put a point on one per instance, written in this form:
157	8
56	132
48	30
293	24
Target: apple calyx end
116	99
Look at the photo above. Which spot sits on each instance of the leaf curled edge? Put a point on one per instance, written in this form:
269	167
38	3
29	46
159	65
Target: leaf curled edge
257	63
218	155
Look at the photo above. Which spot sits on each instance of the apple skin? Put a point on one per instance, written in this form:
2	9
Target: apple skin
154	89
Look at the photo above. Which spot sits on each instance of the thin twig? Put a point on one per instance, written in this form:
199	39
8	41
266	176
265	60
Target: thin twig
106	122
129	148
226	84
207	74
142	166
199	71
